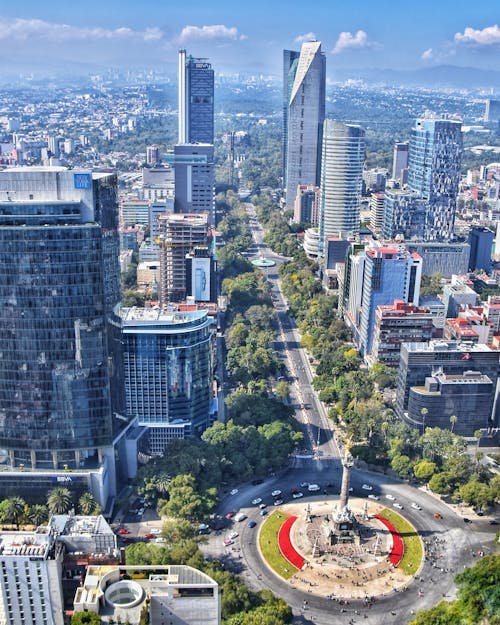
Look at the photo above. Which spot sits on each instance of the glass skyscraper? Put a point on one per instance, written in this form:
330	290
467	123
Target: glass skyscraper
60	364
169	368
304	78
343	154
196	100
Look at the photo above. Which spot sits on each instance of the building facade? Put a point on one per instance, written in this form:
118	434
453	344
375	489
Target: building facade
343	153
169	371
400	161
307	204
481	248
304	113
194	179
196	100
179	234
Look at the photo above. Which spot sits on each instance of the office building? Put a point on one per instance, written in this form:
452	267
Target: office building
194	179
492	111
343	154
169	369
134	212
311	242
405	215
307	204
304	113
465	379
441	257
179	234
53	146
434	162
374	180
399	323
390	273
174	594
196	100
491	310
400	161
61	366
201	275
481	248
158	183
456	295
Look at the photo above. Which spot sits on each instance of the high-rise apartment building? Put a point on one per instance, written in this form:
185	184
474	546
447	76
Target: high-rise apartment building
152	154
196	100
377	201
307	203
481	248
343	153
492	111
61	367
304	113
179	234
400	161
169	368
390	273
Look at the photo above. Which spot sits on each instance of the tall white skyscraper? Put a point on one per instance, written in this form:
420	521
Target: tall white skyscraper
341	179
304	112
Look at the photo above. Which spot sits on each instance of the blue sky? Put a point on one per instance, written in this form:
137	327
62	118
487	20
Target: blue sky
249	36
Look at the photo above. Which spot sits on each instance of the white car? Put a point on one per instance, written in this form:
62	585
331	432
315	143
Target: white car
297	495
234	491
233	535
415	506
156	530
390	497
374	497
278	502
398	506
256	502
313	488
275	493
367	487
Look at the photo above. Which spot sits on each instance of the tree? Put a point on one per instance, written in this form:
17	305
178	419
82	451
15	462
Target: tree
424	412
424	470
12	510
453	422
477	494
38	514
86	618
184	499
439	483
88	505
177	531
59	500
402	465
282	390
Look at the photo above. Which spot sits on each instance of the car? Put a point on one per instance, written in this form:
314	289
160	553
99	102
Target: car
203	526
493	522
276	493
263	512
313	488
437	515
390	497
278	502
304	484
467	520
149	536
227	542
230	515
351	489
155	530
240	517
234	491
297	495
397	505
233	535
415	506
294	491
256	501
262	506
251	524
123	531
367	487
140	512
127	539
374	497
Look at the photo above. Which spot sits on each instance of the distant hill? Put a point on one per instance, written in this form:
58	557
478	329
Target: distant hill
436	76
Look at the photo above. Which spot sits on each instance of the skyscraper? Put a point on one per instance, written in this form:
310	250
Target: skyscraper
304	113
434	172
196	100
194	179
60	370
400	161
342	159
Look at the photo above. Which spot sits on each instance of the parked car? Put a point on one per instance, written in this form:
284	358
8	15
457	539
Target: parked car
313	488
230	515
262	506
297	495
390	497
234	491
233	535
227	542
240	517
256	501
149	536
276	493
278	502
263	512
122	531
374	497
251	524
367	487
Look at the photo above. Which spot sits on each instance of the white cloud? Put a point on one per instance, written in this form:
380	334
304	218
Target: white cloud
488	36
215	32
307	37
427	55
348	41
22	29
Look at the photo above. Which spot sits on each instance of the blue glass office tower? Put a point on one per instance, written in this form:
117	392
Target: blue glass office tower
60	364
196	100
169	369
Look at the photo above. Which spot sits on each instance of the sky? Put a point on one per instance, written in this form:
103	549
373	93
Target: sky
247	36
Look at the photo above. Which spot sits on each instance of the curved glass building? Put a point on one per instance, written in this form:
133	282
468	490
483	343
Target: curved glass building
169	371
60	356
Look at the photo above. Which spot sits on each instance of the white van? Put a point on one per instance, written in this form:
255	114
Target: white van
313	488
240	517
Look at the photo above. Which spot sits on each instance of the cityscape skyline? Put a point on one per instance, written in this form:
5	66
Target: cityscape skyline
238	39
